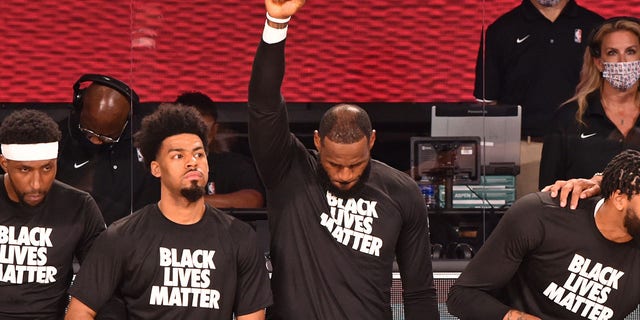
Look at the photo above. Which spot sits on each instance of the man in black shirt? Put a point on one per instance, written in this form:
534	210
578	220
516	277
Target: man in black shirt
44	223
532	56
96	152
549	263
337	218
179	258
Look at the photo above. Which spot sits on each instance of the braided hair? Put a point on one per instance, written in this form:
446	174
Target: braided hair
622	173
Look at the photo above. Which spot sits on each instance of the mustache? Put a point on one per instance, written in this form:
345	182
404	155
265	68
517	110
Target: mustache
194	169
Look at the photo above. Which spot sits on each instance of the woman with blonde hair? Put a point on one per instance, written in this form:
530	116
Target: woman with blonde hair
601	119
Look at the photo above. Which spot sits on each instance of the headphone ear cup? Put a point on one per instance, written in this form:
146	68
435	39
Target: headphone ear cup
464	251
436	251
77	101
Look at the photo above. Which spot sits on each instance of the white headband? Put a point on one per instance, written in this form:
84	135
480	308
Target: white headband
30	152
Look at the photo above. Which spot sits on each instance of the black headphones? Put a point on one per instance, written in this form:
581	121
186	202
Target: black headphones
106	81
594	48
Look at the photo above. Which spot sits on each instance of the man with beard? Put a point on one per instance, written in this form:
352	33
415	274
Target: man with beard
44	223
550	262
337	218
179	258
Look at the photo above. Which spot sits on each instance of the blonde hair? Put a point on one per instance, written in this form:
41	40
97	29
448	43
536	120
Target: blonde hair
590	77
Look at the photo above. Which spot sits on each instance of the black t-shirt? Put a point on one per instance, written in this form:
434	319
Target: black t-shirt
163	270
332	253
534	62
574	150
37	247
551	262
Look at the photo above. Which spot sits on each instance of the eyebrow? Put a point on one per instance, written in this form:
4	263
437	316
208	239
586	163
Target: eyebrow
183	149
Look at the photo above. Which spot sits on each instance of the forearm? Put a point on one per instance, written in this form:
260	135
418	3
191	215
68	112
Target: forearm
518	315
245	198
258	315
267	75
79	311
421	305
471	303
269	135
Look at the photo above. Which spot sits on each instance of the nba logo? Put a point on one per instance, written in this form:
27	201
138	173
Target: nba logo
577	35
211	188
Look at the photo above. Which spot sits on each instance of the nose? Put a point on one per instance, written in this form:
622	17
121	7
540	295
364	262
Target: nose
36	180
191	161
95	140
345	174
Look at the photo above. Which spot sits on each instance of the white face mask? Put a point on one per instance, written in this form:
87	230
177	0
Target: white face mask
621	75
548	3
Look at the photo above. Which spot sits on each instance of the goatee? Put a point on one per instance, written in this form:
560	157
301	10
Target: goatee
192	193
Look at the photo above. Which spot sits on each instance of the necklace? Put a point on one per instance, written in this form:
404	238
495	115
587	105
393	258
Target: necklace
619	113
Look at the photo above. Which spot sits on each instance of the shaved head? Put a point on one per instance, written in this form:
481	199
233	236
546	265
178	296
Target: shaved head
104	110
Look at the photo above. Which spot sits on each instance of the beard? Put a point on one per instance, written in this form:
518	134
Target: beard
193	193
22	195
342	193
632	223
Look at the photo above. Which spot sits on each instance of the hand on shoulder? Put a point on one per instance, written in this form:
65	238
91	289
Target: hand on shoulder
576	188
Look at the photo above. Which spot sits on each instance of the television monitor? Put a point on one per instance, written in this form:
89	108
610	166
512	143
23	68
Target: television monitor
498	127
442	157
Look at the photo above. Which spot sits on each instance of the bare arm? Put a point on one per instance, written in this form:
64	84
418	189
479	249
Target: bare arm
519	315
80	311
576	188
245	198
258	315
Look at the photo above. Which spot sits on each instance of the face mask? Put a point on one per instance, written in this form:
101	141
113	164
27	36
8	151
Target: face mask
621	75
548	3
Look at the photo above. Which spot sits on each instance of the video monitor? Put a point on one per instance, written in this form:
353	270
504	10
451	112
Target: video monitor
442	157
498	127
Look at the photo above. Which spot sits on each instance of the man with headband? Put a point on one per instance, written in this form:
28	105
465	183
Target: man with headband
43	222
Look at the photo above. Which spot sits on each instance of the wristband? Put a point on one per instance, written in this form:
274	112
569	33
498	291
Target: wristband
277	20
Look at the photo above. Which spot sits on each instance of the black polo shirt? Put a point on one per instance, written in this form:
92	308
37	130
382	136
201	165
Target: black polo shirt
534	62
579	151
105	171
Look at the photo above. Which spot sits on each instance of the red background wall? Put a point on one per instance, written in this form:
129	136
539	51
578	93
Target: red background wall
361	51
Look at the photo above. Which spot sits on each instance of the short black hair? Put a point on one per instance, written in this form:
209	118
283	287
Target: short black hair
200	101
345	123
622	173
168	120
28	126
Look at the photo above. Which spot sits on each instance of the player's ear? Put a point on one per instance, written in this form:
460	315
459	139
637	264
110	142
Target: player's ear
155	169
3	163
620	200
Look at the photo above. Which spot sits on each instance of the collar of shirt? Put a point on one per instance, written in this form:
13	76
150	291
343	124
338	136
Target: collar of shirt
530	12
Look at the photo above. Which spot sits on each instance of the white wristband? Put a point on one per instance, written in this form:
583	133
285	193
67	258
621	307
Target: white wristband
272	35
276	20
